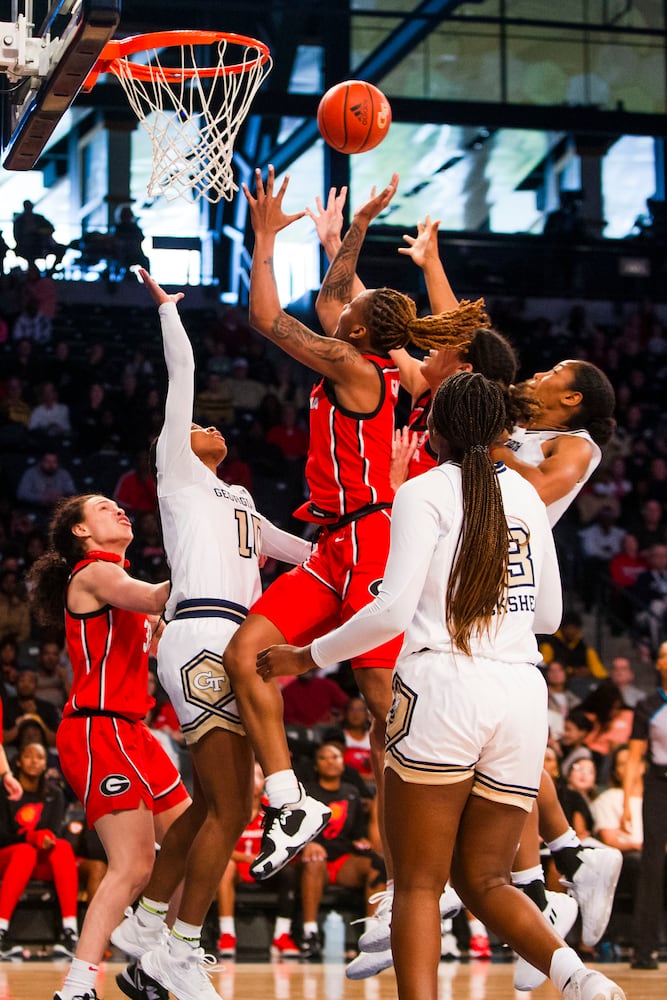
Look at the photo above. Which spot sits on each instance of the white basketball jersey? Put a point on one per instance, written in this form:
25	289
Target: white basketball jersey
212	533
425	526
527	446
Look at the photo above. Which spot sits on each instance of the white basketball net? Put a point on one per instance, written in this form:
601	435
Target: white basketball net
193	122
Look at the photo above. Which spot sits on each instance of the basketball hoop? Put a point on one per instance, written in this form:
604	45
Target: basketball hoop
191	113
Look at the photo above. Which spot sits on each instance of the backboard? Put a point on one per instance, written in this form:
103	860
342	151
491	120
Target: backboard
45	70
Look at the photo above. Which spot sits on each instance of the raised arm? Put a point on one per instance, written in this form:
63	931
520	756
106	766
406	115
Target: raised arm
329	227
338	287
333	358
423	249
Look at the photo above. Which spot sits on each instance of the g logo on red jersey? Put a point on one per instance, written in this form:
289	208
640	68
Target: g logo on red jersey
115	784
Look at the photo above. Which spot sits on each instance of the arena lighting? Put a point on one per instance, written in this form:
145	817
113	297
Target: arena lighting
93	25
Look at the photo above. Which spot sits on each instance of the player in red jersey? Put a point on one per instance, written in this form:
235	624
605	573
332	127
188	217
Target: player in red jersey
130	789
351	429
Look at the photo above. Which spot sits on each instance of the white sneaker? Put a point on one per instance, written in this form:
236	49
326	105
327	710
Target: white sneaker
286	831
377	936
369	963
449	946
188	978
593	887
450	903
586	984
561	913
134	939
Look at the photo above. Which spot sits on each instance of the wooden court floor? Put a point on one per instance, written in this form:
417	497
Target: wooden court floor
293	981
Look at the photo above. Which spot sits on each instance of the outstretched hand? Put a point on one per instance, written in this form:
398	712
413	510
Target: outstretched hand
424	245
284	661
329	220
377	202
266	209
158	294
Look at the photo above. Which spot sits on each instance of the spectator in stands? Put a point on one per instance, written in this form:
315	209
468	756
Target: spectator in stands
577	795
356	724
31	831
650	595
608	808
650	528
24	362
576	728
50	417
622	674
612	723
34	239
136	490
624	569
27	705
127	242
289	435
656	484
44	483
568	645
32	325
600	541
311	699
238	871
560	701
246	393
97	427
213	405
345	853
43	289
54	674
14	407
14	610
287	387
649	741
147	551
9	666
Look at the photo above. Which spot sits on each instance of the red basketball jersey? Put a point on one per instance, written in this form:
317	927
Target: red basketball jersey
350	453
423	458
108	650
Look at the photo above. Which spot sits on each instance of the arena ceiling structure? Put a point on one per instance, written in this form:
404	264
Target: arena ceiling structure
497	105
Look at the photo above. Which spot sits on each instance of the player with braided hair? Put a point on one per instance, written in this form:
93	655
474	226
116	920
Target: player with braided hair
350	495
462	766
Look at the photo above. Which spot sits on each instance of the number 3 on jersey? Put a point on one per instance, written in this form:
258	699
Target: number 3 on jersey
250	533
520	570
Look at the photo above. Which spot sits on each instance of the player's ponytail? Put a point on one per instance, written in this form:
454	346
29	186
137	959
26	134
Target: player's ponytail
50	573
469	412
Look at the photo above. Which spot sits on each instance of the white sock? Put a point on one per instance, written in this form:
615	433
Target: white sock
528	875
151	913
310	927
564	963
70	924
446	925
226	925
4	924
80	979
282	787
184	938
476	927
283	926
567	839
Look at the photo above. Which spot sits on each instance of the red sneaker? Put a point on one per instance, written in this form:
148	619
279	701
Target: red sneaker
227	945
284	947
479	946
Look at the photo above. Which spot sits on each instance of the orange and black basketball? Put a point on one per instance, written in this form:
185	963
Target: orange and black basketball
353	116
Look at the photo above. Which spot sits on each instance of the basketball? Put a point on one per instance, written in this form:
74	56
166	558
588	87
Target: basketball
354	116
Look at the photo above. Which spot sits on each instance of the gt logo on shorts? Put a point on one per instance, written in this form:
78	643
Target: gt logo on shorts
115	784
206	680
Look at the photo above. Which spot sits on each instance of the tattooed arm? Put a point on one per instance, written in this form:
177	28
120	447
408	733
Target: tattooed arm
340	280
335	359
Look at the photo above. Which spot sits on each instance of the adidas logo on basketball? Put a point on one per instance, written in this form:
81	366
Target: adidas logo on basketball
360	111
